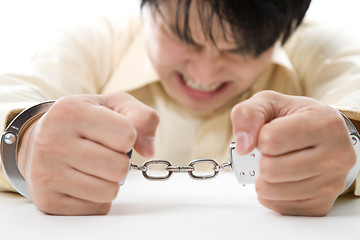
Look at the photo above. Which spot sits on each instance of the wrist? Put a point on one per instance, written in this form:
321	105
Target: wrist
10	144
355	139
24	142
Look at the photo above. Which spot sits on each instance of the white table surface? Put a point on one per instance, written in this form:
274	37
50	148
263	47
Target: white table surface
180	208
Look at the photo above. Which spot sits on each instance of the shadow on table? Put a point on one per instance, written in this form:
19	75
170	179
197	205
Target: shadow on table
345	206
348	205
159	208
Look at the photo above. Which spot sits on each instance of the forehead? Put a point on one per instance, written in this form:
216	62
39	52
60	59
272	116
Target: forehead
195	20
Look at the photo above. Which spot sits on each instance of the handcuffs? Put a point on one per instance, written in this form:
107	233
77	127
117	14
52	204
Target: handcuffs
245	167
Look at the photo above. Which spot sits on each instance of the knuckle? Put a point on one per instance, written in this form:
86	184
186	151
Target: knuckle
46	204
111	192
321	212
348	161
268	94
352	160
341	163
311	207
247	115
126	135
333	121
260	188
267	171
263	201
268	140
338	187
103	208
152	116
147	119
129	136
318	210
235	110
335	187
241	111
119	169
66	107
270	205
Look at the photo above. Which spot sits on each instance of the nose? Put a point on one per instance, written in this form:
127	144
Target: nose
205	66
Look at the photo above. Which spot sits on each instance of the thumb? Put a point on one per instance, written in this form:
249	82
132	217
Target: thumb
142	117
248	118
145	121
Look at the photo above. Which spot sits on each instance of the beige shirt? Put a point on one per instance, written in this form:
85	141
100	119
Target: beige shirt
108	56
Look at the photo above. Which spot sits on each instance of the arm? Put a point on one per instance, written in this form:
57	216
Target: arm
328	61
74	157
75	61
306	150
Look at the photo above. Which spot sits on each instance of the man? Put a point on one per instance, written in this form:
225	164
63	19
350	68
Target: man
191	65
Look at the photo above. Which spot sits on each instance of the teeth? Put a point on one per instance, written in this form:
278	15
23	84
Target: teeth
204	88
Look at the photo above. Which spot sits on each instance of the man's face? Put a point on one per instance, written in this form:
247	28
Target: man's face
200	76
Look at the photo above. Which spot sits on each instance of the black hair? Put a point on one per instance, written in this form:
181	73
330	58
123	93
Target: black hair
255	24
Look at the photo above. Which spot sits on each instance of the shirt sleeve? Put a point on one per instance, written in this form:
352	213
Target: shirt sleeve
79	60
327	60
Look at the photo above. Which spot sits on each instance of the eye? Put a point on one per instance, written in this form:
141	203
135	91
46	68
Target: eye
236	51
192	44
189	42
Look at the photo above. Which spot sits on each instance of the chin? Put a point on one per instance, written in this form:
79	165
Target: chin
201	108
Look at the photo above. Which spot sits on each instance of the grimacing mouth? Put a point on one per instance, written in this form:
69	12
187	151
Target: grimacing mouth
203	88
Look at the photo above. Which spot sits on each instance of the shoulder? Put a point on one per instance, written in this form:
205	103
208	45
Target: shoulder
107	26
324	38
97	28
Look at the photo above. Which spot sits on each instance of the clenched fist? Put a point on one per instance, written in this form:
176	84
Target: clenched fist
306	151
74	157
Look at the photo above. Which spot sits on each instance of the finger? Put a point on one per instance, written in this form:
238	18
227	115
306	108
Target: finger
118	121
143	118
108	128
318	186
291	167
302	129
79	116
308	207
249	116
247	119
145	122
96	160
290	133
286	191
86	187
60	204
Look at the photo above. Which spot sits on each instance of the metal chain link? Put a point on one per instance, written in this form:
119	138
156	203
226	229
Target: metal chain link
190	169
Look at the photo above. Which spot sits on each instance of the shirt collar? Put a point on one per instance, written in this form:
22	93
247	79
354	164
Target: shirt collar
135	69
281	58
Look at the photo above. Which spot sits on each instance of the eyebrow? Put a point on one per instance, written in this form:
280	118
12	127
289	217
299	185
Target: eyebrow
191	41
236	50
188	39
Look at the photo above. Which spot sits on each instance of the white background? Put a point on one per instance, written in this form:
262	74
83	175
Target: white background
23	23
